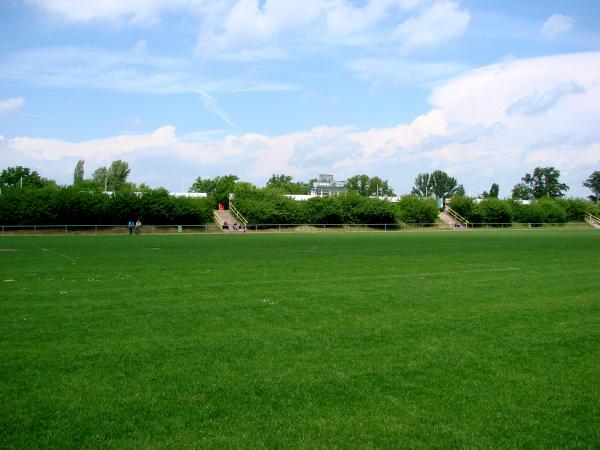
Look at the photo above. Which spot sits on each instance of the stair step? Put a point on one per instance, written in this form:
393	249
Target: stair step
226	216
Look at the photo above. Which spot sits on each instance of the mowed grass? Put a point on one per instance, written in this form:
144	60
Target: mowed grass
349	340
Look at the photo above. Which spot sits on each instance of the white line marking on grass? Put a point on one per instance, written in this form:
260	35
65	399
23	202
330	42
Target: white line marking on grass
58	254
425	275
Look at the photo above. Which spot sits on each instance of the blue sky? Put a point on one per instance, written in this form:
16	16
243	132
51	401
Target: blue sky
486	90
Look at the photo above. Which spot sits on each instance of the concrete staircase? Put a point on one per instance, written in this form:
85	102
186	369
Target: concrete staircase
450	221
222	216
592	222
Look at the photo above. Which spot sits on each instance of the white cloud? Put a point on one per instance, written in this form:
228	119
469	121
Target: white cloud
323	147
138	12
439	23
11	105
127	71
248	24
556	25
211	104
133	70
275	28
388	71
258	30
346	19
470	132
99	150
539	103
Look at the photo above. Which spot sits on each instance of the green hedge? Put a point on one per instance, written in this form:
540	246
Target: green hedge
545	210
70	205
414	209
269	206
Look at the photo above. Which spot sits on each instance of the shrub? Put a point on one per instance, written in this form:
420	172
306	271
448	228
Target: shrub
553	211
495	211
354	208
321	210
593	208
268	206
414	209
574	207
467	208
74	206
83	207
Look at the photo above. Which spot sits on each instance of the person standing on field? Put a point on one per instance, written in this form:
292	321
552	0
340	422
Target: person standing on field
138	227
130	226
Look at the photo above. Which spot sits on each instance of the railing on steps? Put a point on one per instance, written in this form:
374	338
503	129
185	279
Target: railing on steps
237	214
592	218
218	218
456	216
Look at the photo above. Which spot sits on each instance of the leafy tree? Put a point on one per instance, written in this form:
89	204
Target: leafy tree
554	212
532	214
544	182
521	192
366	186
17	177
466	207
443	185
90	185
494	191
423	185
354	208
358	184
78	173
459	191
100	176
284	184
380	187
206	185
574	207
143	187
321	210
84	207
266	205
593	183
495	211
113	178
416	209
218	189
244	189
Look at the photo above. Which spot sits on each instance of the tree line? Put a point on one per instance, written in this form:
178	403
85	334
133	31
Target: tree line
28	198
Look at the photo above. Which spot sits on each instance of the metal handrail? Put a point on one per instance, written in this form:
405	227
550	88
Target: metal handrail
464	222
218	218
592	218
237	214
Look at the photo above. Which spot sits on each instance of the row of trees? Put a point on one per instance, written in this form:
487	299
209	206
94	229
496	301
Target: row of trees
74	206
542	182
28	198
438	184
546	210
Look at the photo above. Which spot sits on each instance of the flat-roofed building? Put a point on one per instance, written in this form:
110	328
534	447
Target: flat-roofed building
326	186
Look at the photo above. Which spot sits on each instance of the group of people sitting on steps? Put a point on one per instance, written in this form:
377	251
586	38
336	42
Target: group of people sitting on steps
235	227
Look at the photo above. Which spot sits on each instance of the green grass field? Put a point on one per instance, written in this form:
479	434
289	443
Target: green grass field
323	340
